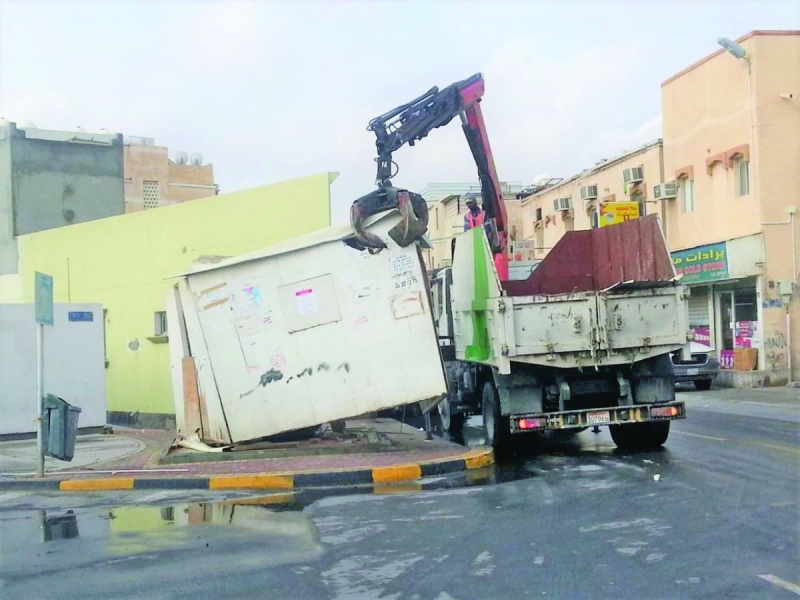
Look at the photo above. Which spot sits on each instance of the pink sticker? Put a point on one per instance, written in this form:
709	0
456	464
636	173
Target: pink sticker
362	320
304	292
278	360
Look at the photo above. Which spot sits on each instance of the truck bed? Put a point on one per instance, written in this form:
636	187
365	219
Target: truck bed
574	310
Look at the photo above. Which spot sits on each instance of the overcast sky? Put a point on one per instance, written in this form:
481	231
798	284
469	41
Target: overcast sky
272	91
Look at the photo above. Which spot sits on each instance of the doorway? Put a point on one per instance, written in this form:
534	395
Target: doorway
726	317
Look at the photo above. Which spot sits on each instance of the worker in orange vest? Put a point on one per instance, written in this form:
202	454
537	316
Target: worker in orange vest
475	216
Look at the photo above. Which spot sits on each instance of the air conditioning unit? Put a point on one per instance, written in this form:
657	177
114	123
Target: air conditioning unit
633	175
588	192
562	204
666	191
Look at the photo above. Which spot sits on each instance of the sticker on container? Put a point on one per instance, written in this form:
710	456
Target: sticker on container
405	282
402	264
305	301
407	305
214	296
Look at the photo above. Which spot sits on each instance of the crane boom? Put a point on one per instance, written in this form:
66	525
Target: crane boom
411	122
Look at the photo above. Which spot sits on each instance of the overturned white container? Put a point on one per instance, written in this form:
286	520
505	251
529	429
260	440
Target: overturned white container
299	334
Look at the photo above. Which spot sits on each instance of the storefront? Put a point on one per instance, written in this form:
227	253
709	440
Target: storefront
724	306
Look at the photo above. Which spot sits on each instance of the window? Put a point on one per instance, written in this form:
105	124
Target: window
569	224
595	219
150	194
638	197
687	195
742	171
160	323
538	214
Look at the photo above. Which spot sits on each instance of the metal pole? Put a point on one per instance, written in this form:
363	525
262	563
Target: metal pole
40	402
789	342
428	435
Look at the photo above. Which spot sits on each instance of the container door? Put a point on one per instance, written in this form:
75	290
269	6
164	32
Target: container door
642	318
549	325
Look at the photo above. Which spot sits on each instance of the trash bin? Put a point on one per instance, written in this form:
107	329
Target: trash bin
59	428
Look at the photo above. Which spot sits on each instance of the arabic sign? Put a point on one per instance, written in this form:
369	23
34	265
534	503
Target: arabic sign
704	263
43	298
612	213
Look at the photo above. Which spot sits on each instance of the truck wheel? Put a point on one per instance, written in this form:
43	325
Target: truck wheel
702	385
495	426
640	435
452	423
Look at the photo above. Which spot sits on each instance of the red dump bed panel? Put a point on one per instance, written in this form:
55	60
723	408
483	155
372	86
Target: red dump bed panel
593	260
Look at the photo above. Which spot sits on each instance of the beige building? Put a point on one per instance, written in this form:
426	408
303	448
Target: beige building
446	219
576	203
153	180
732	149
726	183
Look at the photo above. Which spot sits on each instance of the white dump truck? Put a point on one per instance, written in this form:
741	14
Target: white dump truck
585	339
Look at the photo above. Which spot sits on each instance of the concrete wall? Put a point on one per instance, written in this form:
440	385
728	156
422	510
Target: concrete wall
57	183
176	183
73	365
776	70
124	262
8	245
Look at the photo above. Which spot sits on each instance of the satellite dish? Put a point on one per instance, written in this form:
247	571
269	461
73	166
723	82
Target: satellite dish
105	131
80	129
28	124
196	159
181	158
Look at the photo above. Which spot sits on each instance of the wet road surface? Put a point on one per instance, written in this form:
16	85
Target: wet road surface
715	514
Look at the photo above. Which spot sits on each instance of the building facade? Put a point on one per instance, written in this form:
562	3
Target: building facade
581	201
732	149
50	179
152	179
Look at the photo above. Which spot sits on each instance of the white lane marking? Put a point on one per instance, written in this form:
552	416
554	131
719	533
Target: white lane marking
160	496
705	437
787	585
12	495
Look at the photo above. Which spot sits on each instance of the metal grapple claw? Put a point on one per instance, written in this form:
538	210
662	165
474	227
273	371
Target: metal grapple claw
412	207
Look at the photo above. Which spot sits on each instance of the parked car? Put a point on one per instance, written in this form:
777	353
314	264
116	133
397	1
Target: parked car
700	370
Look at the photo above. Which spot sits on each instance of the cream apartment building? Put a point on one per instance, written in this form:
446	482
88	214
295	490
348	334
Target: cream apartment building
152	179
576	202
732	149
725	181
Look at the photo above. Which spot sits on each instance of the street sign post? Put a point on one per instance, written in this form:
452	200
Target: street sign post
43	303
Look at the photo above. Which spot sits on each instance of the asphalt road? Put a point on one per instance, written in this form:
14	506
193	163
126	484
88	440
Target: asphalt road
715	514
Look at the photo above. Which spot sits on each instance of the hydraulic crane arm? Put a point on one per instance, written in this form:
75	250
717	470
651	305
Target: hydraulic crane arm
410	123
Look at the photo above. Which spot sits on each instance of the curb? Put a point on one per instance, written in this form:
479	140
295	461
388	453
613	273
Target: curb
474	459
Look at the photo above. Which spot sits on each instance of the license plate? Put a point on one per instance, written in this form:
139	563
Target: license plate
598	417
693	371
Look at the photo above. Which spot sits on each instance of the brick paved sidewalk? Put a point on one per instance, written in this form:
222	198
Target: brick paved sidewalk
400	445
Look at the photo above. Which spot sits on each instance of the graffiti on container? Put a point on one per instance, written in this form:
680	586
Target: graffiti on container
270	376
274	375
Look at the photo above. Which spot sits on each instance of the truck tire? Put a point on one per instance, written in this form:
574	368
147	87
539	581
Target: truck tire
702	385
640	435
496	427
451	423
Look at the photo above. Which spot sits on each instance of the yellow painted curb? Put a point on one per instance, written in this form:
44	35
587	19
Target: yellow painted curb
228	482
96	485
483	458
399	473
